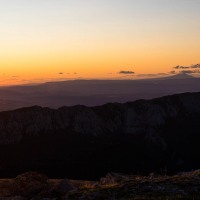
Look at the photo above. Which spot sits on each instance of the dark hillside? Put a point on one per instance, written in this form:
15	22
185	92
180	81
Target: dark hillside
86	142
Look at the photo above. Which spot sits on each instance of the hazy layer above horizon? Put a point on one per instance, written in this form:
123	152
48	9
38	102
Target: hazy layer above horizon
94	92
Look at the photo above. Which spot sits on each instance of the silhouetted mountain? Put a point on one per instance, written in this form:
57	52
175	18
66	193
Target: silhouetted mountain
87	142
94	92
180	76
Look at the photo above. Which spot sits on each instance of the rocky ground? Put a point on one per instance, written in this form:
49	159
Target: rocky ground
34	186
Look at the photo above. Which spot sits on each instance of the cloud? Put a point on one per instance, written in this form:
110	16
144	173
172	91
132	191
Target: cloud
172	72
195	66
187	67
153	75
61	73
126	72
181	67
190	71
160	74
146	75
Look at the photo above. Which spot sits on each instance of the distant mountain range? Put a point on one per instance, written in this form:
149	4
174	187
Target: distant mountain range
82	142
94	92
179	76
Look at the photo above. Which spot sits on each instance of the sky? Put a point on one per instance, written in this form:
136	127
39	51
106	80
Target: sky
43	40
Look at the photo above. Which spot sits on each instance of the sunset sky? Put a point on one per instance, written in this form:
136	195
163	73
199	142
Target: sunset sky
43	40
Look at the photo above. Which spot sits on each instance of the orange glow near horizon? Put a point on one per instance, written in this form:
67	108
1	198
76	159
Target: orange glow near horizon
60	40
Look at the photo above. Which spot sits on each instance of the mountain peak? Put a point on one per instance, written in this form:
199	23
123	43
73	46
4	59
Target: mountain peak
181	76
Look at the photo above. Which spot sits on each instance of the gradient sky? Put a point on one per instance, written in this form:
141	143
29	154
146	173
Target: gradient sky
95	38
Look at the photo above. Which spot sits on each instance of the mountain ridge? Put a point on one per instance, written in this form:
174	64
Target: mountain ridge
83	142
100	119
93	92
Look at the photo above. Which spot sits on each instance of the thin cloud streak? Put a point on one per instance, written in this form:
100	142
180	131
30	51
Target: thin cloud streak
126	72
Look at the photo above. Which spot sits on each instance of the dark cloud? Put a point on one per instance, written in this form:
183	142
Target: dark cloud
172	72
61	73
195	66
190	71
126	72
181	67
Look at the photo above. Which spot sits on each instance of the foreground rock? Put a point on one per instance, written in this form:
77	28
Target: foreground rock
34	186
180	186
29	184
113	178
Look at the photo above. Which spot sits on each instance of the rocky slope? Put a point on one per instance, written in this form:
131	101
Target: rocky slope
31	186
86	142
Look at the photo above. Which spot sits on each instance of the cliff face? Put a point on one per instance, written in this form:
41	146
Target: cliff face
143	116
141	135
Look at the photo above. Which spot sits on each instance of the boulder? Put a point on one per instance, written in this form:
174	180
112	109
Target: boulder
113	178
61	188
29	184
